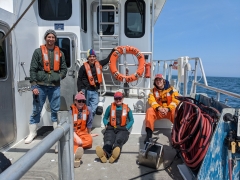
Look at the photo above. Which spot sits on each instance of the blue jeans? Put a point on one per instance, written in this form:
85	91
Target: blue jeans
53	94
92	99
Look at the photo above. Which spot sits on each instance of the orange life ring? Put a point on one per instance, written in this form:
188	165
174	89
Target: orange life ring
129	50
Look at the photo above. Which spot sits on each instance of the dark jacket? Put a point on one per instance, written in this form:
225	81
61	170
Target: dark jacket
39	76
83	82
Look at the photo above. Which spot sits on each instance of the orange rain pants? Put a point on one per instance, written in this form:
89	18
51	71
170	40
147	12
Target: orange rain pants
152	116
86	140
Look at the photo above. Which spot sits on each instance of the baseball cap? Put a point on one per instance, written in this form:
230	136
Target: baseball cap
158	76
118	94
80	96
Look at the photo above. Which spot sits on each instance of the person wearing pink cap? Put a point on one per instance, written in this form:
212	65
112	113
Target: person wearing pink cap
118	119
162	103
82	121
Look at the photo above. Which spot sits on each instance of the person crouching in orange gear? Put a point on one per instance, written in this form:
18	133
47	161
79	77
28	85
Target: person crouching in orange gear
163	104
82	121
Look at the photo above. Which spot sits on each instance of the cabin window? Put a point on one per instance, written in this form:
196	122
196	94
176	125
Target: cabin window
64	45
3	64
84	15
107	17
134	18
55	10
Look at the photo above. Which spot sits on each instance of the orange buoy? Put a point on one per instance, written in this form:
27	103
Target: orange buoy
129	50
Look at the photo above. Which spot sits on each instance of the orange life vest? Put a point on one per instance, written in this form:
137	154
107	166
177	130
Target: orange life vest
79	124
89	73
46	61
164	97
113	118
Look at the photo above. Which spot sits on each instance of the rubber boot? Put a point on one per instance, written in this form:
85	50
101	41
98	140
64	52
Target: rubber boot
56	145
32	134
149	135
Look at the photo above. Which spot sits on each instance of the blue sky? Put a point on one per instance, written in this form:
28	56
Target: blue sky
209	29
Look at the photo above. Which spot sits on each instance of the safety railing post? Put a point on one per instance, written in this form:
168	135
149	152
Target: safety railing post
65	153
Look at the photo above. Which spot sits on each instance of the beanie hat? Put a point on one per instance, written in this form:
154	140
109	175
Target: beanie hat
118	94
80	96
90	52
50	31
158	76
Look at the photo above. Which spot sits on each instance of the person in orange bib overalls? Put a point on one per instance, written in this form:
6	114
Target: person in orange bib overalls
118	119
82	121
163	103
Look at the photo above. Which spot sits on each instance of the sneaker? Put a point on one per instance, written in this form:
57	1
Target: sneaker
101	154
115	154
77	157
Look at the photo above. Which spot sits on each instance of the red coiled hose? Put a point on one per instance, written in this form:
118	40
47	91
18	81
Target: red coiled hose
192	131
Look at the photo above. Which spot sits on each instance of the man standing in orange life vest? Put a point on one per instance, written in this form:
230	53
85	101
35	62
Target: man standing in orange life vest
90	78
118	119
163	104
82	121
47	68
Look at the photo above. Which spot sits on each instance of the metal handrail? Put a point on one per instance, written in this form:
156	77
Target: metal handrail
62	133
218	90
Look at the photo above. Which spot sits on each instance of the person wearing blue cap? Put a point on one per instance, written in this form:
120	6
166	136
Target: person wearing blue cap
90	78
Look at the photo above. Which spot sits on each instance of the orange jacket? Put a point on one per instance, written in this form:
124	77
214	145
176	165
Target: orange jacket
79	124
45	58
89	73
163	98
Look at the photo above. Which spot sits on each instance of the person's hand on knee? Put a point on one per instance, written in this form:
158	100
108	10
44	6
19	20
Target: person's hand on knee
79	141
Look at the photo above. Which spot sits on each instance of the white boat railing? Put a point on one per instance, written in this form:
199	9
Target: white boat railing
218	91
64	134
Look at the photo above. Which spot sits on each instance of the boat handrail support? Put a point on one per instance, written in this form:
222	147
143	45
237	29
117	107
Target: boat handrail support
63	133
187	68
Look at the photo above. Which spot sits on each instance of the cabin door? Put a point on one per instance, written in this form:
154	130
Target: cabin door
7	106
67	44
103	41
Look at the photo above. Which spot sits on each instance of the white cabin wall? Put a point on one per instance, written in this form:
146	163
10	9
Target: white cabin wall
24	45
73	24
24	39
86	38
143	43
7	5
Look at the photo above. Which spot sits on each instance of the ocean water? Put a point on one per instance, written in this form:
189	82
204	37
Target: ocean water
231	84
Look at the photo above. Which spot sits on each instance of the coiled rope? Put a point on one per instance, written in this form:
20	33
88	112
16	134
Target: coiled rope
192	131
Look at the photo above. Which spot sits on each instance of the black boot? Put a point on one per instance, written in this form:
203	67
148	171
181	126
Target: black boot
149	135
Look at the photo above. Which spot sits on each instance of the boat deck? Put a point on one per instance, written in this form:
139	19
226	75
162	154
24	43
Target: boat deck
126	167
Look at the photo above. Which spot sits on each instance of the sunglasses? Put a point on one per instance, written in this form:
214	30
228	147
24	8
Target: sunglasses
118	98
81	101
